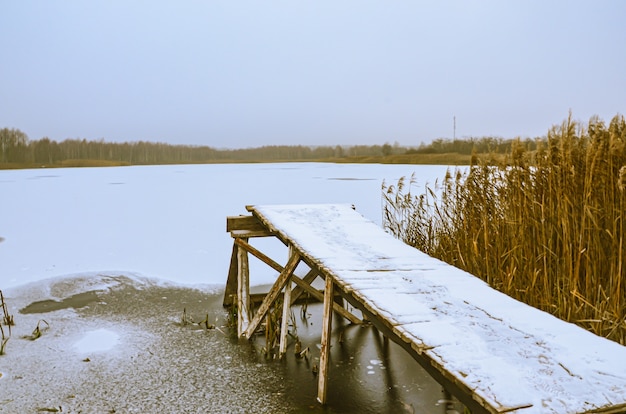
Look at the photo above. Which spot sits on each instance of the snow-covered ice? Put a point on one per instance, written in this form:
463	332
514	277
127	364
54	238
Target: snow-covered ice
164	222
97	340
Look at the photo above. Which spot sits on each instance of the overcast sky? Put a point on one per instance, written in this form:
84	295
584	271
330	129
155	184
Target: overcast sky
250	73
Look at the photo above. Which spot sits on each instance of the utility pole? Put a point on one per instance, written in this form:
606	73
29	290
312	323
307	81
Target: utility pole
454	128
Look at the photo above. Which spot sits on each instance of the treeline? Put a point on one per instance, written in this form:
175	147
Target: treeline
467	146
17	150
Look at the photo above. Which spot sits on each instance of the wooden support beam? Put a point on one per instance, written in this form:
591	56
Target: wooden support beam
284	326
243	291
319	296
234	223
308	279
230	290
250	233
327	320
303	284
257	298
272	294
243	243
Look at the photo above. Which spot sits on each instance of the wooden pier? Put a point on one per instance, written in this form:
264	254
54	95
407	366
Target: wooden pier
493	353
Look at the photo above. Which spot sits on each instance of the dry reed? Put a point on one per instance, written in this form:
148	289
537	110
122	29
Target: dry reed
544	226
7	319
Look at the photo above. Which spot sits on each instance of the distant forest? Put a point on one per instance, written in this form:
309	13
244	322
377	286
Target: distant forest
17	151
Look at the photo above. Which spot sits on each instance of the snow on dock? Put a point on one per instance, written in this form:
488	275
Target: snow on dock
495	354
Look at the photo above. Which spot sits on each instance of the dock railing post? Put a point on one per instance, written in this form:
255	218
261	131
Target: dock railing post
243	291
326	333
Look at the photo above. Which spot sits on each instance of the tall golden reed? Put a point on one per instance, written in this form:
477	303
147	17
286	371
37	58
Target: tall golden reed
545	226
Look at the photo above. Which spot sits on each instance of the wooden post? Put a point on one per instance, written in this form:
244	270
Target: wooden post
326	332
272	294
284	326
231	282
243	291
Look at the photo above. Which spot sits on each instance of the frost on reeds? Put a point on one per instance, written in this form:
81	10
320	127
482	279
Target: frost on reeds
544	226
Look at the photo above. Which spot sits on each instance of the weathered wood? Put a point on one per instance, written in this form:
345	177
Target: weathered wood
308	279
257	298
617	409
284	325
243	291
234	223
303	284
327	324
320	297
258	254
272	294
230	291
250	233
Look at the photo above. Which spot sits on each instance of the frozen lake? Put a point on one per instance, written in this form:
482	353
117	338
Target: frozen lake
163	222
70	237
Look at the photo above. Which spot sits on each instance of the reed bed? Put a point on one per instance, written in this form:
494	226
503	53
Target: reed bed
544	226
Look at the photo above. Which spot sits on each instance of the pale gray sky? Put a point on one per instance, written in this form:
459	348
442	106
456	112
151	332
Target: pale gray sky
250	73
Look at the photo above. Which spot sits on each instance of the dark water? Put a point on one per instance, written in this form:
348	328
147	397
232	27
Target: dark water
367	373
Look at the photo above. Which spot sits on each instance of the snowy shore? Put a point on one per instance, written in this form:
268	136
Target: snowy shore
127	352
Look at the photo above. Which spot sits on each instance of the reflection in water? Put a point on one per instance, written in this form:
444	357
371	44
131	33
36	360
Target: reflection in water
368	373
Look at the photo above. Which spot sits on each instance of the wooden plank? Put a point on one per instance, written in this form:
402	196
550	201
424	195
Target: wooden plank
616	409
272	294
230	291
243	291
250	233
327	323
234	223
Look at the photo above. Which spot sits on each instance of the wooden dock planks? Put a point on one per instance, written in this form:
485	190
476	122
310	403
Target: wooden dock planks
492	352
